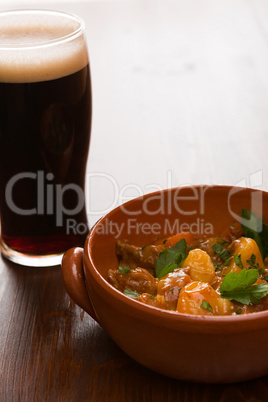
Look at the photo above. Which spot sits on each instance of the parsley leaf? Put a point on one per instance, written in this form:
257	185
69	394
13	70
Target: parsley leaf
237	260
252	261
171	258
256	229
124	270
234	281
223	253
131	293
240	287
206	306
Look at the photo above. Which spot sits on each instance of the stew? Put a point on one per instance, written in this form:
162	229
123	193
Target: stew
192	274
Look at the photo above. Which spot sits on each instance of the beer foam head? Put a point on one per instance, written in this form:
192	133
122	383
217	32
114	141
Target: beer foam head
40	46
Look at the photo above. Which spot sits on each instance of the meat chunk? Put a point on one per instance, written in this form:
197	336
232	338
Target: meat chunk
139	279
171	284
135	256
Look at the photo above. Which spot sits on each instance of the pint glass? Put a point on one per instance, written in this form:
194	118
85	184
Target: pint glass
45	121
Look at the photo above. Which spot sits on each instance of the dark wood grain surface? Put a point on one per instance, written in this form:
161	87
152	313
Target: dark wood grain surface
180	95
52	351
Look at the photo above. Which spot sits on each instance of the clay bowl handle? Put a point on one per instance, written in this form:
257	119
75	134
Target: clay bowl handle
74	279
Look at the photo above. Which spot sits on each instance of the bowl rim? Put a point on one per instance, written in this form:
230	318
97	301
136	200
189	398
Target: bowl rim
155	311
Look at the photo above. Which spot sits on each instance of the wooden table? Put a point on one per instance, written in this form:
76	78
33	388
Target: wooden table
180	91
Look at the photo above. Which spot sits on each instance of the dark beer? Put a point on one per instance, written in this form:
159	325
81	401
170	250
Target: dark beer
45	119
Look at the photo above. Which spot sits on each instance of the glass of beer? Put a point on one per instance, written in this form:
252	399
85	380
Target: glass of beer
45	121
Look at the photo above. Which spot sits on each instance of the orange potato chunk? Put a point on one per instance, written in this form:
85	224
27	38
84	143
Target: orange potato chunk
173	240
200	264
194	294
245	247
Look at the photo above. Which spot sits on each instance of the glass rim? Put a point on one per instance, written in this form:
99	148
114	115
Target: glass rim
47	43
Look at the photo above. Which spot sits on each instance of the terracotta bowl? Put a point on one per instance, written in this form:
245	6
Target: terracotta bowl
193	348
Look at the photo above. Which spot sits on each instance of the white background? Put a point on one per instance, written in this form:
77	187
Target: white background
180	94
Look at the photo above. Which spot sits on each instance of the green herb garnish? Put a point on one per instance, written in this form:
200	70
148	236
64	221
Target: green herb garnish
206	306
237	260
124	270
170	259
239	311
240	287
252	261
131	293
256	229
221	251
